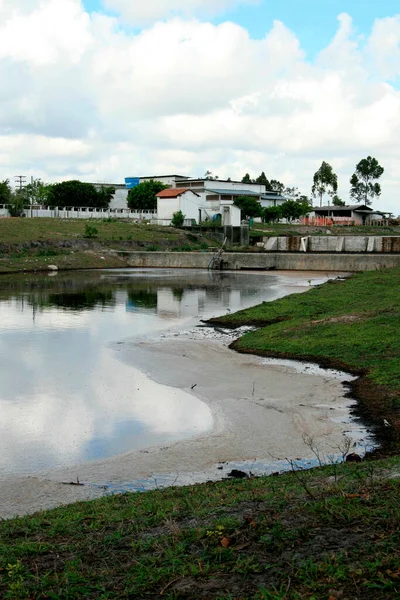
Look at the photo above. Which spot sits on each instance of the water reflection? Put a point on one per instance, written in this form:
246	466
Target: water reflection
64	397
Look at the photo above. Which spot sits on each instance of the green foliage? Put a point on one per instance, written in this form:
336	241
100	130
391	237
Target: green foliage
16	205
271	214
336	201
90	231
77	193
292	209
209	175
324	182
247	179
5	192
249	206
144	195
177	219
276	186
37	192
363	189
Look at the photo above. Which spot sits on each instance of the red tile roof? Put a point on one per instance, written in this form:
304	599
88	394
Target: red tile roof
173	192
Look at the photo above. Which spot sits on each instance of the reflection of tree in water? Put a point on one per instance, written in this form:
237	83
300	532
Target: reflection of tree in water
85	300
142	298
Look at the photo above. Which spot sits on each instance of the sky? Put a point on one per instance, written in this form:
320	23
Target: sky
102	90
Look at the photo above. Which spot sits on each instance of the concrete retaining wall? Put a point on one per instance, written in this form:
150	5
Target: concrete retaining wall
333	243
264	261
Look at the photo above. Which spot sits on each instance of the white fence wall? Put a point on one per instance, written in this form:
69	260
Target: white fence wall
83	213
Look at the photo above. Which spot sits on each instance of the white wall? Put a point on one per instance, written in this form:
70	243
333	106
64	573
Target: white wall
189	203
232	185
166	207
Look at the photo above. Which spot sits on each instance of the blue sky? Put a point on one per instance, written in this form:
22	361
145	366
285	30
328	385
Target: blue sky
313	21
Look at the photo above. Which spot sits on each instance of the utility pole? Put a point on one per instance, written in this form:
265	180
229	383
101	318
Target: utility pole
20	181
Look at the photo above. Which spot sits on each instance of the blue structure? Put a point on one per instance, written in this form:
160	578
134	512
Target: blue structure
131	182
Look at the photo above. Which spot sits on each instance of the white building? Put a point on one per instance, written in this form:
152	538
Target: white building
211	198
208	198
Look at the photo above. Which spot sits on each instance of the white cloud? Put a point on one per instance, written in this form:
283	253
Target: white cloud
139	12
85	98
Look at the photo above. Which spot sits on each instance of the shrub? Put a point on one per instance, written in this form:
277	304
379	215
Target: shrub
177	219
90	231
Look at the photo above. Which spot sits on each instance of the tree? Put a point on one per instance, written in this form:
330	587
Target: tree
292	209
271	214
291	193
276	186
336	201
324	182
37	192
210	176
144	195
249	206
5	192
247	179
17	203
362	187
262	179
76	193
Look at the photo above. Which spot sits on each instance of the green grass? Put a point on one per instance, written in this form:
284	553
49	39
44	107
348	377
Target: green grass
330	532
29	244
352	324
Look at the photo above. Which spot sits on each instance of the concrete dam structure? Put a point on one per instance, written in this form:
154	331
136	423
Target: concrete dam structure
317	253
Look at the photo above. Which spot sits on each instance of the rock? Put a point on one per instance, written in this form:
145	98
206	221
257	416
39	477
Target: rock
52	267
353	457
238	474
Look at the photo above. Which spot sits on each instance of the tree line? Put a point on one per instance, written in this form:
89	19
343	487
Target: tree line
64	194
364	187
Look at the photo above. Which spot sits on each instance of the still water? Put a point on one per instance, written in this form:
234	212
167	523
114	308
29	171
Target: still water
65	398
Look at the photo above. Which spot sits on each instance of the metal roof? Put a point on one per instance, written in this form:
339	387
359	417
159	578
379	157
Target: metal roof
353	207
227	192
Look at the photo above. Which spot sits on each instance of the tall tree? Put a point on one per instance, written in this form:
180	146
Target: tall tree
262	179
276	186
336	201
247	179
5	192
144	195
325	182
363	188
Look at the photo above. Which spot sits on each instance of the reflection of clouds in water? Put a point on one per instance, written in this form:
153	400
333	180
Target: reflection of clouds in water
58	427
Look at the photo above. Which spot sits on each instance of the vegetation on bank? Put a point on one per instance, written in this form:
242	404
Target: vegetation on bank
33	244
351	324
326	534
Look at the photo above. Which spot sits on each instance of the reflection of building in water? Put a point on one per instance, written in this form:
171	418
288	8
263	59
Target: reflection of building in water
177	302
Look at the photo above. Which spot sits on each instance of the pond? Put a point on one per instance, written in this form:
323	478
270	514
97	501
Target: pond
69	396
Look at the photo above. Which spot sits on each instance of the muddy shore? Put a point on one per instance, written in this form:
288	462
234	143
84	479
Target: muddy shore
260	412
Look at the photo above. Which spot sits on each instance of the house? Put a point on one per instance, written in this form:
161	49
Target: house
216	198
172	200
355	214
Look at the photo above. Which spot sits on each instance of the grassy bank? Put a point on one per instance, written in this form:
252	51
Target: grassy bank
328	534
352	324
33	244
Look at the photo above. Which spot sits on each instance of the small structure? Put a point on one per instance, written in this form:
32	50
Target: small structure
355	214
172	200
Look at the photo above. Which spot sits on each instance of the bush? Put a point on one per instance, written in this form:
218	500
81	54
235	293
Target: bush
16	206
177	219
90	231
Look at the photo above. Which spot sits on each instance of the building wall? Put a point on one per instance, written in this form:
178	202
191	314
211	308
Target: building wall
166	207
